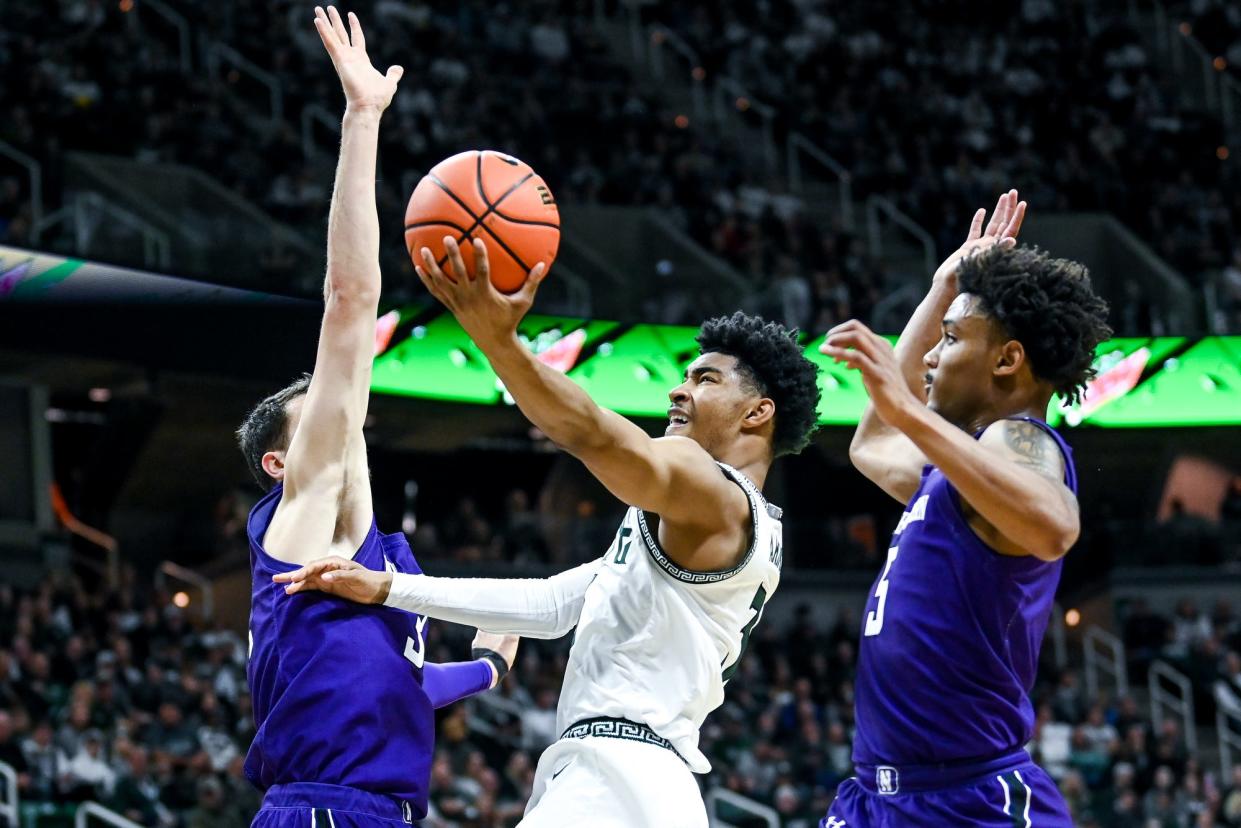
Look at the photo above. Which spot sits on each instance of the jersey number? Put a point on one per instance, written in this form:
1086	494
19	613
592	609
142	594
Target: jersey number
760	598
622	544
416	648
874	620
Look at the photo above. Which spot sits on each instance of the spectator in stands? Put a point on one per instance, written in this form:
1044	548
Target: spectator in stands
87	773
12	754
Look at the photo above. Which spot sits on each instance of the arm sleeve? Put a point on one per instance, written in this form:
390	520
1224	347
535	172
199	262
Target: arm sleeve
448	683
533	607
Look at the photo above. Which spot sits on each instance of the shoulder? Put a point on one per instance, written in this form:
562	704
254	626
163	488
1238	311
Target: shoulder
1027	444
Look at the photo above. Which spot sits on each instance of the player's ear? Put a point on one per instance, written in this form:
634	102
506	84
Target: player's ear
760	412
1009	359
273	464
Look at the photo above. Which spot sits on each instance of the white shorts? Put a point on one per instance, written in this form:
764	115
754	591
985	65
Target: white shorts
613	783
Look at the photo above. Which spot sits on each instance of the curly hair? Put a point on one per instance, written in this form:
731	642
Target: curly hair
1046	304
772	360
266	428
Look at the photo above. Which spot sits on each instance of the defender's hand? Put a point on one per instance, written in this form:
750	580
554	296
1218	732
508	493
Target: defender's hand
364	87
485	313
858	347
505	645
1003	228
338	576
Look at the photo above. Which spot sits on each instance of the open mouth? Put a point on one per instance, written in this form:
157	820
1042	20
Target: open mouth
677	418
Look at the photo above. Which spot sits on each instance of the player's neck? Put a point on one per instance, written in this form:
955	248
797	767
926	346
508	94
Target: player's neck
1006	410
754	467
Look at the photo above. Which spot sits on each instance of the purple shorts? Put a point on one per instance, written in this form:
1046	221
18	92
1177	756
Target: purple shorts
1009	791
311	805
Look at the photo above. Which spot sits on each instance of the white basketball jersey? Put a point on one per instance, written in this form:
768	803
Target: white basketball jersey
655	643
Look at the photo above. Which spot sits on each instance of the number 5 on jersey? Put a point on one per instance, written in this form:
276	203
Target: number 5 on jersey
874	620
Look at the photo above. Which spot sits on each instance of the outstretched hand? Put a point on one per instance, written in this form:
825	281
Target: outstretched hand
857	346
338	576
485	313
365	87
1001	230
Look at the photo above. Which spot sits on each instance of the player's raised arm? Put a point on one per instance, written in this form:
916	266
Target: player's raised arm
669	476
882	453
325	444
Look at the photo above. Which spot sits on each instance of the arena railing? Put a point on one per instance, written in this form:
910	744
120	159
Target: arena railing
34	174
218	54
1180	703
178	22
1104	653
9	808
798	145
93	809
1228	731
758	810
876	205
87	215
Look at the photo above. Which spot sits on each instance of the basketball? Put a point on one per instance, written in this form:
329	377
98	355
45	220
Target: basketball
490	196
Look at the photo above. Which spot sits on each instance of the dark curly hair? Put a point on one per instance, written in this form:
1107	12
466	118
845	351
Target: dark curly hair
266	429
772	360
1046	304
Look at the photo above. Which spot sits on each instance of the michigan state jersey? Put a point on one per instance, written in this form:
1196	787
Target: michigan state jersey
950	637
337	686
655	643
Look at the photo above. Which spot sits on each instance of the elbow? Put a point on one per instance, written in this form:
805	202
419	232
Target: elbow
1056	540
348	291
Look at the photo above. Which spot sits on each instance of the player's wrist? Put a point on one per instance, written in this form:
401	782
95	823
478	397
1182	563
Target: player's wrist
499	664
364	113
385	588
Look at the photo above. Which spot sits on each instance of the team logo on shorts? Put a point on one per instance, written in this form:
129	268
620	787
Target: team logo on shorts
887	780
407	813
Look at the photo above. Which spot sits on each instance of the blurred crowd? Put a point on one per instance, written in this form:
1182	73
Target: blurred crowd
939	112
118	695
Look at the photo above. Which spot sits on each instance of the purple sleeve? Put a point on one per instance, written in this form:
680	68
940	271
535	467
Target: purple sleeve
448	683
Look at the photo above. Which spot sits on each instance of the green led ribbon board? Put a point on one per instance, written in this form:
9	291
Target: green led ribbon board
1141	382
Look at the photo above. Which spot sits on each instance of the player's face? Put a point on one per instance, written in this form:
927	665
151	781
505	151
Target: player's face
959	367
710	404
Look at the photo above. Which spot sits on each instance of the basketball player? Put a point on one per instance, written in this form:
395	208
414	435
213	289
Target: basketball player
955	428
343	699
663	618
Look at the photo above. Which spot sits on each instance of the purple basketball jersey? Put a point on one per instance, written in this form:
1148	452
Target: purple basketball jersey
950	637
337	686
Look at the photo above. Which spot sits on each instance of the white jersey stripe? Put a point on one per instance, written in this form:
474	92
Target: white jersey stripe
1008	800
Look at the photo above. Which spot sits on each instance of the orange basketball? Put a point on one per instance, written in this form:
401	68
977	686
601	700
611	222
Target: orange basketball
490	196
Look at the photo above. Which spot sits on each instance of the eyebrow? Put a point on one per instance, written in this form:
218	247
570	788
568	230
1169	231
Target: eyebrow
703	369
950	321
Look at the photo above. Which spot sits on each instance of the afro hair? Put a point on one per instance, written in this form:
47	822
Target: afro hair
1046	304
772	360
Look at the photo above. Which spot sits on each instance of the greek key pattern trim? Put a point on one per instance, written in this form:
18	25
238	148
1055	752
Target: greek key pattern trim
608	728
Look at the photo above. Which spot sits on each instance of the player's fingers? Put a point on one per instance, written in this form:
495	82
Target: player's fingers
324	28
355	32
433	287
997	216
395	73
976	225
338	26
457	262
848	325
1014	223
432	267
482	261
533	280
